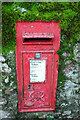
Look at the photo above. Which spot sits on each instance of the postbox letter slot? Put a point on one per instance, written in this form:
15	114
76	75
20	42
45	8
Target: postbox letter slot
37	40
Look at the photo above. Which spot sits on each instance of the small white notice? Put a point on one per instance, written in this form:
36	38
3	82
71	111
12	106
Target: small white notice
37	70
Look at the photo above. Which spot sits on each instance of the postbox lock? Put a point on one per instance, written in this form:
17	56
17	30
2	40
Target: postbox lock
37	55
29	86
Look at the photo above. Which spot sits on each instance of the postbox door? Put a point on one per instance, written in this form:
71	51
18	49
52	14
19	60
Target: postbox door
38	79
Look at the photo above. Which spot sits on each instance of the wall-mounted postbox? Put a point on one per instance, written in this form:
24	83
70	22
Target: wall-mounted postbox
37	65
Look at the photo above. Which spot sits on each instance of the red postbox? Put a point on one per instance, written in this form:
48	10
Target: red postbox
37	65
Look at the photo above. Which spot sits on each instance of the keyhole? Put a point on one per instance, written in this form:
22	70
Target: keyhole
29	86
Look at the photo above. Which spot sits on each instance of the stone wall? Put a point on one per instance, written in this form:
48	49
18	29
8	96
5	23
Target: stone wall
67	102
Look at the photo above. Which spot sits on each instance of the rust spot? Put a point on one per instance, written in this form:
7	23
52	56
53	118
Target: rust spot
57	61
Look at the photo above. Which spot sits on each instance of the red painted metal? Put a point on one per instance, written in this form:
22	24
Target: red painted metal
37	37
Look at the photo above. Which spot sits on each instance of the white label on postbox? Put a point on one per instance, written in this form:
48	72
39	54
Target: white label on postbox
37	70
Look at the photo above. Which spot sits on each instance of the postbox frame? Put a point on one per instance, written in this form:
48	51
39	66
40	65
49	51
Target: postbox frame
20	50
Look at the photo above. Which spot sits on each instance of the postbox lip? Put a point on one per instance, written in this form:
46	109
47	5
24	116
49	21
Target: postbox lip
52	21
